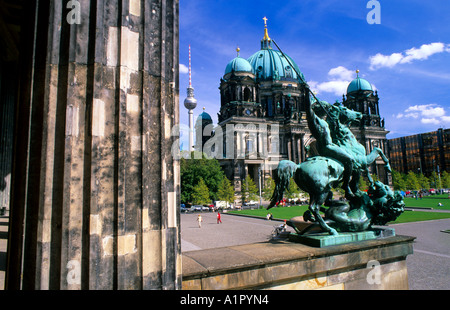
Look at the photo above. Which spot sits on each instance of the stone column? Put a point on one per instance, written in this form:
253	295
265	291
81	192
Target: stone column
96	186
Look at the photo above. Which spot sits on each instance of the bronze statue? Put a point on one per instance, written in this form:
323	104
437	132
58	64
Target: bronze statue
341	158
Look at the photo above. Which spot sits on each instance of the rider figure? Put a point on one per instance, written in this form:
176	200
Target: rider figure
324	143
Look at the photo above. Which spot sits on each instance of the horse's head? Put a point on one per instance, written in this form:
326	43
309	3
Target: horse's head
345	115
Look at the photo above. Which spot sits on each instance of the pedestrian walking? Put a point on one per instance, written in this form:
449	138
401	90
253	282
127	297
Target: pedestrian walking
199	220
219	218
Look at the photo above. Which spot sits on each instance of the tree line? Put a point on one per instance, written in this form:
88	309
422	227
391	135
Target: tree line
418	181
203	181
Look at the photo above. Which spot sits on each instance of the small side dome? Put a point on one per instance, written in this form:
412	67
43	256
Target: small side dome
358	84
204	119
239	64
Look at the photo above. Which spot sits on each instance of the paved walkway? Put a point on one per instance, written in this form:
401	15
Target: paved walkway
234	230
428	267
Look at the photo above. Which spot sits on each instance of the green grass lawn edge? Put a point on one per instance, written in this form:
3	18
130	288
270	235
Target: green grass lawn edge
285	213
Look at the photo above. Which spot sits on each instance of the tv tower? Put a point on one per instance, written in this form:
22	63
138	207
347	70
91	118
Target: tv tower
190	103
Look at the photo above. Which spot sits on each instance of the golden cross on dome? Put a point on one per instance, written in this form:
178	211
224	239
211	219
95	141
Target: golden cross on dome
266	34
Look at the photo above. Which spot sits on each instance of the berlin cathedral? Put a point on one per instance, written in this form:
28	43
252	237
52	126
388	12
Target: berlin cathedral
262	100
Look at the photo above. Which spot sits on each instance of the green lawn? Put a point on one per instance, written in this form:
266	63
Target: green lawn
407	216
429	202
283	213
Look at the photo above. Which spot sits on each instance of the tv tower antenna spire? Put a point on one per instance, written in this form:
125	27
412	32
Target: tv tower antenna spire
190	71
190	103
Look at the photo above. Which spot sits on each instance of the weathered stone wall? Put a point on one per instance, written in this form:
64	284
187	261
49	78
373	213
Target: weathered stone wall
373	264
96	187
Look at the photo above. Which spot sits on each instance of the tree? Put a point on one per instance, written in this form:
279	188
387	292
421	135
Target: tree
249	190
445	178
194	167
225	191
398	181
268	189
424	182
293	189
434	178
200	194
412	182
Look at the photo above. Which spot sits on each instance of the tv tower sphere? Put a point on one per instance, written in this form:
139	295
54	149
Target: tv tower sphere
190	102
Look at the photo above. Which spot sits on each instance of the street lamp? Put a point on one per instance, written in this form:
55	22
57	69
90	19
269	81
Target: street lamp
259	178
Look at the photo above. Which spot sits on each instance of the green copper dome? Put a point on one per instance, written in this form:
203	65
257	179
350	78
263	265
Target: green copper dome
204	118
270	64
238	64
358	84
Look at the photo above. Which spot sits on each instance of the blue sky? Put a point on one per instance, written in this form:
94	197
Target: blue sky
406	57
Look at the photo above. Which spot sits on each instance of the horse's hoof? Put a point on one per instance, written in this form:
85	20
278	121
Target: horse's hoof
308	216
333	232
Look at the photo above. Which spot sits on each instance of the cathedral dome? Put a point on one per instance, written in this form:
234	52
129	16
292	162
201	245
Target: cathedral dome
204	118
272	65
238	64
269	64
358	84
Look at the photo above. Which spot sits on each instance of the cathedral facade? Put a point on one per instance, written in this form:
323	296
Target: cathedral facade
262	115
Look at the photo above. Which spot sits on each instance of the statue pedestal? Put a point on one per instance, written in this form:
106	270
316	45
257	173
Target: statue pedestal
285	265
324	239
310	233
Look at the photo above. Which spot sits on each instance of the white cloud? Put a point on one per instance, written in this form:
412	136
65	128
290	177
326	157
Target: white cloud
184	69
434	112
425	51
446	120
380	60
421	53
339	78
341	73
429	121
413	115
428	114
336	87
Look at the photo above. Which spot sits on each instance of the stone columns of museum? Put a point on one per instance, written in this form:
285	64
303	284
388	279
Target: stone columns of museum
8	92
95	186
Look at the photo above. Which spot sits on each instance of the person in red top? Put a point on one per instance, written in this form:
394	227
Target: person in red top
219	218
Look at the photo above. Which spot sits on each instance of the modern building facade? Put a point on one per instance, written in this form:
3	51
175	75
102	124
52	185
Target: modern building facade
421	153
262	115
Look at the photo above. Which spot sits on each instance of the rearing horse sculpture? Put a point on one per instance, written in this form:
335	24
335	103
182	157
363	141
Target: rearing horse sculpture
342	158
338	119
